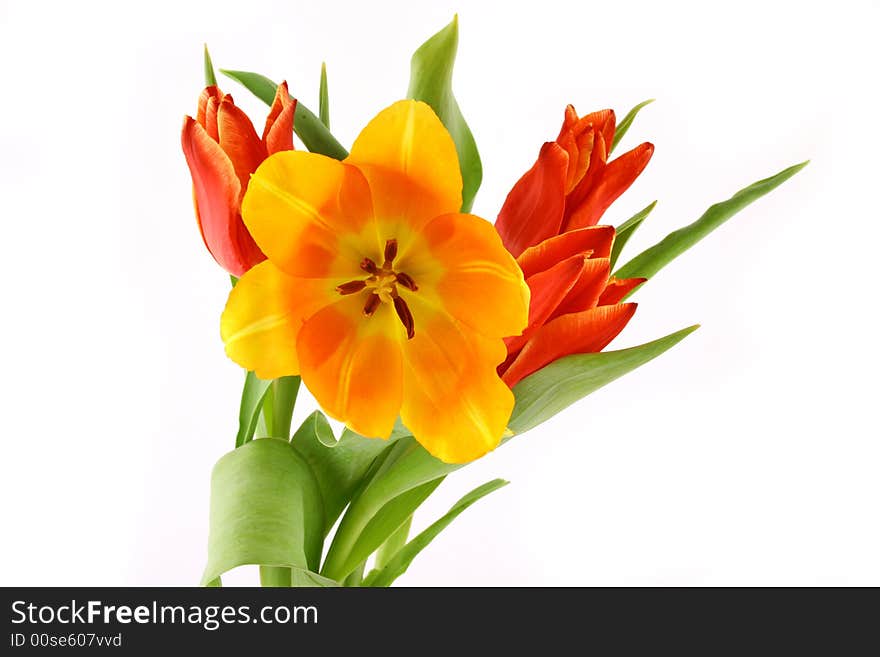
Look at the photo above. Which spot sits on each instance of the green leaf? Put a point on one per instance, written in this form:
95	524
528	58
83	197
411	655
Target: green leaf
306	125
252	395
401	482
284	392
626	230
624	125
338	466
431	81
543	394
649	262
324	98
392	544
266	511
210	78
398	564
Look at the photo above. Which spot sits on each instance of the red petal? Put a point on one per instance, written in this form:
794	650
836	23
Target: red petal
541	257
533	209
618	175
216	190
618	288
239	140
210	123
548	288
207	93
579	333
594	175
589	287
278	133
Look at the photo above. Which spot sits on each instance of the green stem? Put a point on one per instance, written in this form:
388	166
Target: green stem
392	544
284	392
356	576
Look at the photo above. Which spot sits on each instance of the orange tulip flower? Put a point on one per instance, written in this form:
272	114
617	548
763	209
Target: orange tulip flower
222	150
377	291
549	222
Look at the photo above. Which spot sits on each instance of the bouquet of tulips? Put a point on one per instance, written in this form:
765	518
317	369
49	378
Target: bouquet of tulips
432	334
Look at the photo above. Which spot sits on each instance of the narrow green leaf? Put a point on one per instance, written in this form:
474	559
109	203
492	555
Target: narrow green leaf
626	230
393	543
266	511
398	564
338	466
210	78
252	395
543	394
306	125
624	125
649	262
431	81
324	98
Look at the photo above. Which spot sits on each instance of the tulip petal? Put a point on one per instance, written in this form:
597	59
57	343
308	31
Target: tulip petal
278	133
352	365
239	140
455	403
616	178
597	240
471	275
312	215
578	333
577	198
585	293
618	288
208	92
411	163
534	208
263	316
216	189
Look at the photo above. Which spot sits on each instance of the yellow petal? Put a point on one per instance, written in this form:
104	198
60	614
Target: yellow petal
352	365
311	215
465	269
264	314
410	160
454	402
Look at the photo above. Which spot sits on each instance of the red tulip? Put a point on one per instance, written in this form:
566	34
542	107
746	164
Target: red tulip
549	223
222	150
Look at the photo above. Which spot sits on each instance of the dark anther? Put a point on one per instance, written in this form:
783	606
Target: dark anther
406	281
369	266
406	317
372	303
351	287
390	252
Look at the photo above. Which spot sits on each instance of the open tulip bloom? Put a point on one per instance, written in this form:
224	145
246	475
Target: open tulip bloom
433	335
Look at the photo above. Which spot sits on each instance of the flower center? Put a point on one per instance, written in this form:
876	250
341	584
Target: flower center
381	285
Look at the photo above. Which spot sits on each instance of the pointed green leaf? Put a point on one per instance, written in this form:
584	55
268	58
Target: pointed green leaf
338	466
394	542
210	78
649	262
306	125
431	81
624	125
397	565
626	230
543	394
252	395
265	510
324	98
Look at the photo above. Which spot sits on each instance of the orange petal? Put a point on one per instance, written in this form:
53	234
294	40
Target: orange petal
548	288
263	316
618	175
576	199
278	133
239	140
210	124
617	289
585	293
311	214
579	333
595	239
534	208
207	93
455	404
470	274
216	190
352	365
410	160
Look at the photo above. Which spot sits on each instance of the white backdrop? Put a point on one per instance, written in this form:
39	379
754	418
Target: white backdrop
747	455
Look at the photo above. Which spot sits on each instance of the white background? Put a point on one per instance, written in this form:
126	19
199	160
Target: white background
748	455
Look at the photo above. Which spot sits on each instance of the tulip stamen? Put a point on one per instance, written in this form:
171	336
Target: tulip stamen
371	305
352	287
